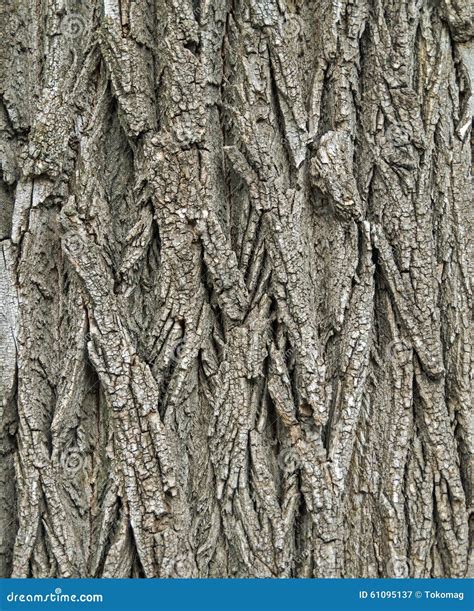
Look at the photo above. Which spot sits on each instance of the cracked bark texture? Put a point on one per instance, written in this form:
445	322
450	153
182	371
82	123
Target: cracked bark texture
235	269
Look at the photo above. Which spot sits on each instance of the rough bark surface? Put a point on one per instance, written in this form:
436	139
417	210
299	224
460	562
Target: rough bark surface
235	314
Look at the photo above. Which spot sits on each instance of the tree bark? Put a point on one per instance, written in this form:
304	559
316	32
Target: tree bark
235	329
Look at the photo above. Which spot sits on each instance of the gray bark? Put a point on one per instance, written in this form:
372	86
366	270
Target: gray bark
235	329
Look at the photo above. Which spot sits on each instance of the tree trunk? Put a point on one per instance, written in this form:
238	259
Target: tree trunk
235	300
